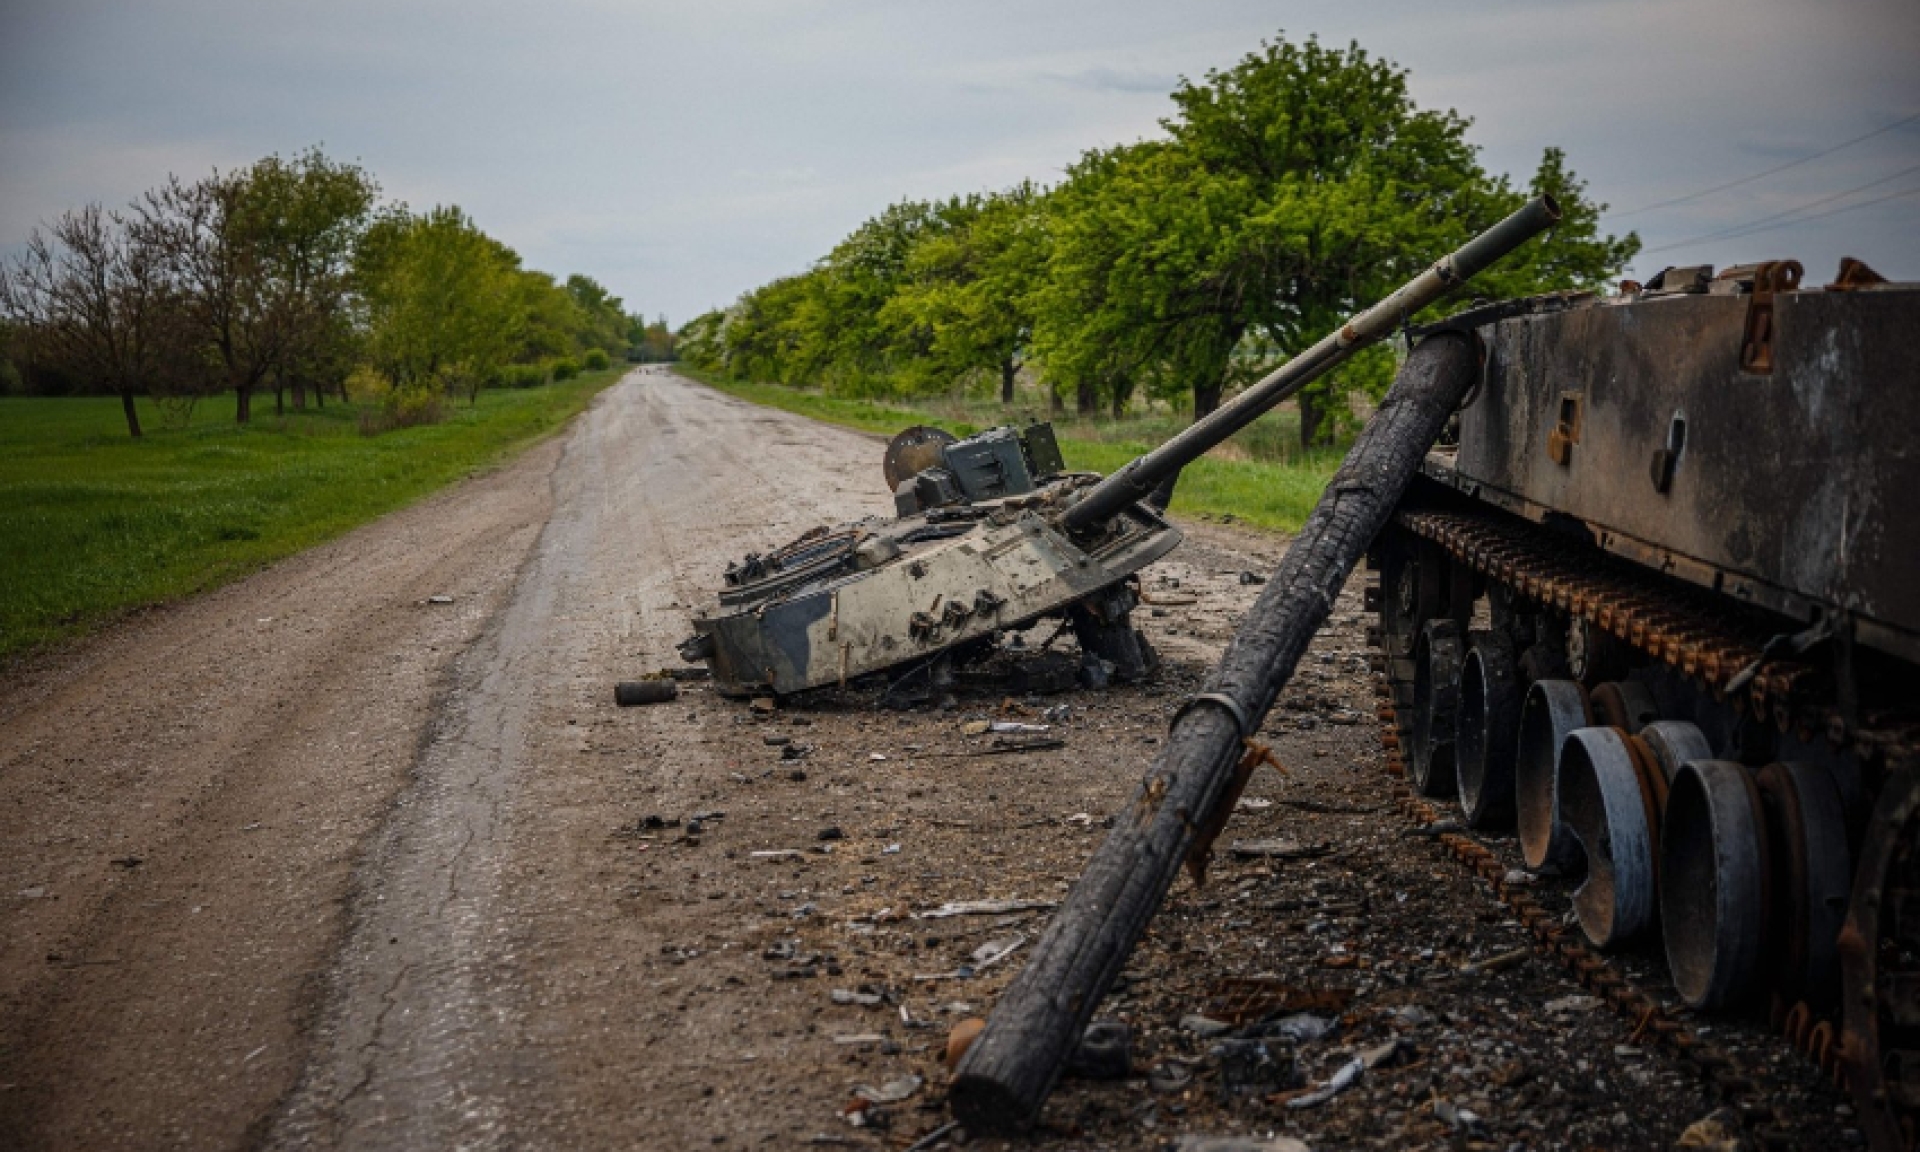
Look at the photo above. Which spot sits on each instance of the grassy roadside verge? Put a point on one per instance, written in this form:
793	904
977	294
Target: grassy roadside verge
1271	495
94	524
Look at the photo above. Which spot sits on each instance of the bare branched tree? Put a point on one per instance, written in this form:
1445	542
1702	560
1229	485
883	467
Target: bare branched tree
197	231
92	298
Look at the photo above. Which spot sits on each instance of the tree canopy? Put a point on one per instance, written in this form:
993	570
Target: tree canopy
1289	191
290	275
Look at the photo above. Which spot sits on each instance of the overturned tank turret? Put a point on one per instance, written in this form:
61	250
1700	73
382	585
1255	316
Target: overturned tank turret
994	535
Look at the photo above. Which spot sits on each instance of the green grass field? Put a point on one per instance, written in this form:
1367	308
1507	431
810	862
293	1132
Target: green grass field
94	523
1266	493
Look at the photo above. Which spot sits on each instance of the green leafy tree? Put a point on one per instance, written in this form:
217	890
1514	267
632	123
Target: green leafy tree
303	218
261	258
445	304
964	296
603	319
1295	188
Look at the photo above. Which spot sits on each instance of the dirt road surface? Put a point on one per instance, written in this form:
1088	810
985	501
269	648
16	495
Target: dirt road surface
319	861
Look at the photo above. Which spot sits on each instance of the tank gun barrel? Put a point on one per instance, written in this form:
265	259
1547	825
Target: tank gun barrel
1143	474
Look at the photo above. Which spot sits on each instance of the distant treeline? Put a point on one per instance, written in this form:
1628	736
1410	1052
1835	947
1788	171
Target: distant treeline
291	277
1290	190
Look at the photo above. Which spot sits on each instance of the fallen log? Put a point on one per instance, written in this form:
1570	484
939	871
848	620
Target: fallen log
1009	1071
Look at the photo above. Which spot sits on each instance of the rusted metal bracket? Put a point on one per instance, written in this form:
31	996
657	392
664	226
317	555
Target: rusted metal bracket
1566	432
1756	345
1854	275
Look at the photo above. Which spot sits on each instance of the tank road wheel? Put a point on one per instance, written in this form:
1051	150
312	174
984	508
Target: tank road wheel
1410	587
1553	710
1624	704
1880	969
1807	829
1674	742
1436	689
1609	806
1714	882
1487	730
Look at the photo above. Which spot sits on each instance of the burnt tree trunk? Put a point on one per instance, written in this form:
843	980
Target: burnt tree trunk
1009	368
1010	1069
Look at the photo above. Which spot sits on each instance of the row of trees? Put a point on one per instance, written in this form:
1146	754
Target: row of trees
291	276
1290	190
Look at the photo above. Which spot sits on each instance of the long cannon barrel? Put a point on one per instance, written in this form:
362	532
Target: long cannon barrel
1141	476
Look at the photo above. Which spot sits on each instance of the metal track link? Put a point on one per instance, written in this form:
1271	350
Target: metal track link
1684	629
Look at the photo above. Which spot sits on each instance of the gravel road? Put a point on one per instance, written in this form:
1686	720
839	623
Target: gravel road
316	861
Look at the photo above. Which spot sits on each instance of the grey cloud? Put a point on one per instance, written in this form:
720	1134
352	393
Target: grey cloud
685	153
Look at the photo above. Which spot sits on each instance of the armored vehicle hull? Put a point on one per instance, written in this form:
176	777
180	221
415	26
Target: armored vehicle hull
1656	608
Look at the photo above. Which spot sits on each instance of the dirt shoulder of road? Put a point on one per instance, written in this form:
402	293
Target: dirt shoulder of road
183	799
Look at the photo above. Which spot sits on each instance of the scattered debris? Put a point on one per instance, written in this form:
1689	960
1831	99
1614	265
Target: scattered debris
934	1137
862	998
1250	1067
892	1092
1572	1004
632	693
1715	1132
1241	999
1105	1052
983	908
1252	578
764	705
796	752
994	951
1496	963
1277	850
1299	1028
433	600
1193	1142
1326	809
1204	1026
961	1037
832	832
1169	1076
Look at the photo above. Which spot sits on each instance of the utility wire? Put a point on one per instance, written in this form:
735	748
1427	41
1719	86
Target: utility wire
1759	175
1807	219
1742	229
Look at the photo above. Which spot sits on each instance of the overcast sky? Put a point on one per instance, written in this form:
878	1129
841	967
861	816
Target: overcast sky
682	153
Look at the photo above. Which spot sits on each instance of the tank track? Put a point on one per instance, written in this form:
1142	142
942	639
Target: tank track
1729	653
1703	640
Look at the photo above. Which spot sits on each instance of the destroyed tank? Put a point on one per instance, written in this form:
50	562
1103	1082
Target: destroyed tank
993	535
1654	605
976	551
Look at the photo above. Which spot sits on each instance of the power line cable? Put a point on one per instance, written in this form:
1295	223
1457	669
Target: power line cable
1741	229
1759	175
1807	219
